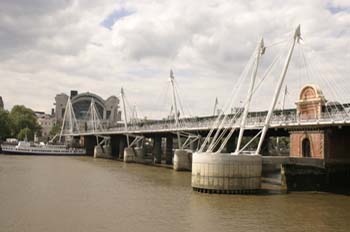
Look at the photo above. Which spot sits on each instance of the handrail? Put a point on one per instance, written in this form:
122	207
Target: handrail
194	123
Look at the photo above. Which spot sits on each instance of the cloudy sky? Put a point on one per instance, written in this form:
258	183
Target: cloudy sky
53	46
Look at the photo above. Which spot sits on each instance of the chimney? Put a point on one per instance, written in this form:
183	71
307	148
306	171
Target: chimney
73	93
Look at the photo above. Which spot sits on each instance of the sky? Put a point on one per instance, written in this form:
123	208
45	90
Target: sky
53	46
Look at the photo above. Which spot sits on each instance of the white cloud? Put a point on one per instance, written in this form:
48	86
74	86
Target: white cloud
50	47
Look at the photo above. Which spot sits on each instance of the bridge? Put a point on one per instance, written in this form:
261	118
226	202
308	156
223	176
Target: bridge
318	127
254	122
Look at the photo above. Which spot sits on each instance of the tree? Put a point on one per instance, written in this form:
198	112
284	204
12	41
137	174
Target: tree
55	129
26	132
21	118
5	124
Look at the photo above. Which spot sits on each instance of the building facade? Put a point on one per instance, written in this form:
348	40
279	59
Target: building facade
108	109
328	143
46	121
1	103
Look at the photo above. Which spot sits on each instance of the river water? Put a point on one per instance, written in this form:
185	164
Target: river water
43	193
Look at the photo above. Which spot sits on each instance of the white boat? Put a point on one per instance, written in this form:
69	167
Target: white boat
26	148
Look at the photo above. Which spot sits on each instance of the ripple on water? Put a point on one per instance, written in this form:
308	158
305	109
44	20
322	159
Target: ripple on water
41	193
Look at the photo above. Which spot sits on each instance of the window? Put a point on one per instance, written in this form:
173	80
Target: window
306	149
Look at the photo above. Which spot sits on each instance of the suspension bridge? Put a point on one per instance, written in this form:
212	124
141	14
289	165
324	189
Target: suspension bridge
316	123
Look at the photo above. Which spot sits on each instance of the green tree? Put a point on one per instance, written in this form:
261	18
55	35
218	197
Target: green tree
21	118
5	124
55	129
25	132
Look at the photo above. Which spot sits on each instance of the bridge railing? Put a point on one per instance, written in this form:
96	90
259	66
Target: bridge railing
256	121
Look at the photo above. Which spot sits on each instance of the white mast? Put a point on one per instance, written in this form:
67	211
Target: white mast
284	98
125	118
278	89
260	52
215	106
70	116
94	117
63	122
175	108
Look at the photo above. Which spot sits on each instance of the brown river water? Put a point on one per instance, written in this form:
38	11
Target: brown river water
48	193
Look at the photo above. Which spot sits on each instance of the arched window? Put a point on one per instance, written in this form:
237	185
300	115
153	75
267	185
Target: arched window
306	149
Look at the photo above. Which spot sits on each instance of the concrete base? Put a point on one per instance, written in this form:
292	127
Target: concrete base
103	152
140	154
134	154
226	173
182	160
129	155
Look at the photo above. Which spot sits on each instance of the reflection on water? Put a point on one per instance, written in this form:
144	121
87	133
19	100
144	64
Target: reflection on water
42	193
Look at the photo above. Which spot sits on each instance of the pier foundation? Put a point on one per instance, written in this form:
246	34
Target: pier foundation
129	155
169	150
157	149
122	146
89	142
104	151
226	173
182	160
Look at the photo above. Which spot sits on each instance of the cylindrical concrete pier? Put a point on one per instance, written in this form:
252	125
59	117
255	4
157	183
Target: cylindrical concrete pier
226	173
182	160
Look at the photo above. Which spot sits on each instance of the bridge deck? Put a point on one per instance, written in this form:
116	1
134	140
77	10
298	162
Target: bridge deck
198	124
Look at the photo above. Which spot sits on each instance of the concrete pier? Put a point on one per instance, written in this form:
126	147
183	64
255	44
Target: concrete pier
134	154
169	150
129	155
226	173
89	142
231	145
115	146
103	152
182	160
122	146
157	149
140	154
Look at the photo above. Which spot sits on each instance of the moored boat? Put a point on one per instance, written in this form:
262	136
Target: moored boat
27	148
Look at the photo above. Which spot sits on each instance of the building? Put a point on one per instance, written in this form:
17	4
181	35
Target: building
328	143
108	109
1	103
46	121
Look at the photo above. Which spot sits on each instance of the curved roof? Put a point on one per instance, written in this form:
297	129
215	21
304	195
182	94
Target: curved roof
316	89
88	96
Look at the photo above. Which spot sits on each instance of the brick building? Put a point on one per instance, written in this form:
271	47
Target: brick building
329	143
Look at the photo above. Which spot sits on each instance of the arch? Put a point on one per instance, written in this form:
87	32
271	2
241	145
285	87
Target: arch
310	91
306	147
81	104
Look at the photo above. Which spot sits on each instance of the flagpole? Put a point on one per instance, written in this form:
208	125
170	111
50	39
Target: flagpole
284	98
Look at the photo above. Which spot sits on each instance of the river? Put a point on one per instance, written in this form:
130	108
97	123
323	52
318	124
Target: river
52	193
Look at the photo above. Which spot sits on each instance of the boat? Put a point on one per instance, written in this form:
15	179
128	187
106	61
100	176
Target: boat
27	148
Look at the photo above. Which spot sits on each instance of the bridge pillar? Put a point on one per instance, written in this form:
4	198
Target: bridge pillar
115	146
89	143
169	150
122	146
265	146
193	146
157	149
231	144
